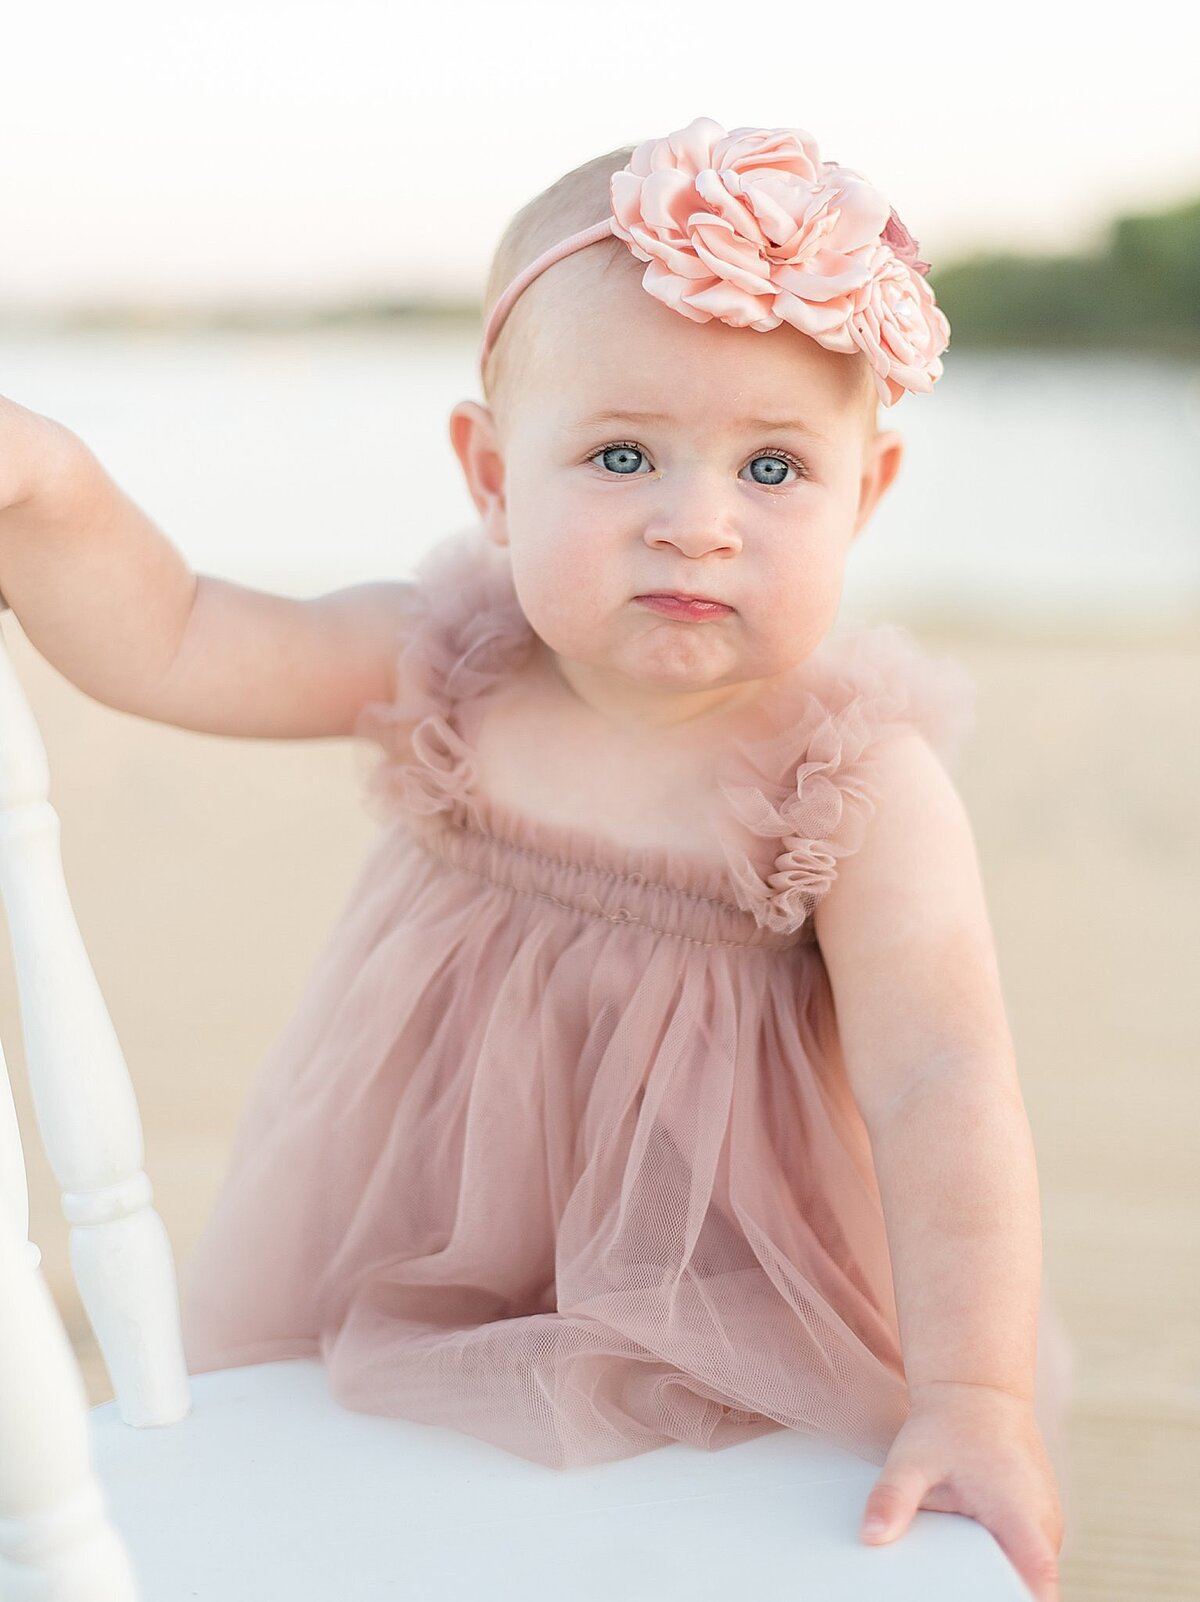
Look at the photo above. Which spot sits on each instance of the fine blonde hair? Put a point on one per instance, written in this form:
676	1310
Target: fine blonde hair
574	201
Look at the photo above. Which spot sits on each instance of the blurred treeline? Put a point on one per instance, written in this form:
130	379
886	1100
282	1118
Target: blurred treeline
1140	291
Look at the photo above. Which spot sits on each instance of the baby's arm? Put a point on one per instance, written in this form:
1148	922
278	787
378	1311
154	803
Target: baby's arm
907	943
111	603
905	935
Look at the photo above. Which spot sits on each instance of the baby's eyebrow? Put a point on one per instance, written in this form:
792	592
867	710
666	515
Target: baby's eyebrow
616	415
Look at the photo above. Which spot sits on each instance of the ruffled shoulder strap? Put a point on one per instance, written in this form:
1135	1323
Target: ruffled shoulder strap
461	629
801	784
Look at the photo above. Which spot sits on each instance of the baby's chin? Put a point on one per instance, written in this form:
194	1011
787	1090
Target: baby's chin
682	669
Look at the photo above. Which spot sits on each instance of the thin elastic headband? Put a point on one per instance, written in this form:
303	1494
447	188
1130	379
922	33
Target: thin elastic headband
565	247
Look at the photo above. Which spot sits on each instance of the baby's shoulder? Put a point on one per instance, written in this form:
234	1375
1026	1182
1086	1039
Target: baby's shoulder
878	682
900	712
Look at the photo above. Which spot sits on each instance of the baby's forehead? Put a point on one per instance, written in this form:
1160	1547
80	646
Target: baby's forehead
590	335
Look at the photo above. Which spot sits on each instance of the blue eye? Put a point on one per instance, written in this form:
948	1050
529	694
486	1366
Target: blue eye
776	470
621	458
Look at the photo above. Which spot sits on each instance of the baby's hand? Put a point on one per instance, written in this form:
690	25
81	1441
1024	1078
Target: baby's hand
975	1450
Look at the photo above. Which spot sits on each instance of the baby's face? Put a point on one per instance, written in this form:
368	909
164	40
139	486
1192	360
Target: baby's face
641	452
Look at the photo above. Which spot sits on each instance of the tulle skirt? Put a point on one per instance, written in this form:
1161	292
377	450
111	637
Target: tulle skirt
577	1185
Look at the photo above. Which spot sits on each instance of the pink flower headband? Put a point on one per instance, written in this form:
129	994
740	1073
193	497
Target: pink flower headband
754	228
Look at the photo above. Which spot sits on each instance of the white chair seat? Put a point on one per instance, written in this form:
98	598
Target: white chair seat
269	1489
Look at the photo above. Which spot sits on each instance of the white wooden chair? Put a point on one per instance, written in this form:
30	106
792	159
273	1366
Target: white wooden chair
251	1484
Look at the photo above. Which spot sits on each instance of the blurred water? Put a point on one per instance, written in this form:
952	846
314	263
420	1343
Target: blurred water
1040	489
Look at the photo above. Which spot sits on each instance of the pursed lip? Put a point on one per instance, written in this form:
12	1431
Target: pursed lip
679	595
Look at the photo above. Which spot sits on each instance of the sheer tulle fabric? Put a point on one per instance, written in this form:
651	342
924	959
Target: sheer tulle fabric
558	1148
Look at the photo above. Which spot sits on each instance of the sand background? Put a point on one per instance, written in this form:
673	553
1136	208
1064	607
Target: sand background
206	873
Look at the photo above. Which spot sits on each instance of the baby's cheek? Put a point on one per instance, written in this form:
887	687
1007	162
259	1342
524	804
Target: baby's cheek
557	592
800	605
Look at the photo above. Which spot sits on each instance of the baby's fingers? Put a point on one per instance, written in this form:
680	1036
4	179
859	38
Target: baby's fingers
1031	1553
895	1497
902	1488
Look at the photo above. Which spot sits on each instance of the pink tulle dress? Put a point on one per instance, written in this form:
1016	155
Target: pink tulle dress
558	1148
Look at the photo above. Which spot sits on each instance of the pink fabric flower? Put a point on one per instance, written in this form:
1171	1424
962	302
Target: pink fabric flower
753	228
896	322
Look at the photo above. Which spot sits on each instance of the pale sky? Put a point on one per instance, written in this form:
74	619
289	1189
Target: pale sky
286	149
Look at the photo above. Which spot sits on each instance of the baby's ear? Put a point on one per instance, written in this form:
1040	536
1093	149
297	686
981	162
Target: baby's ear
881	463
476	442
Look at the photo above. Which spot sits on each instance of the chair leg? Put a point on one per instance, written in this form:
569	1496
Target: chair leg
55	1535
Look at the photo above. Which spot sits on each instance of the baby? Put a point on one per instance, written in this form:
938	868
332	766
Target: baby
655	1084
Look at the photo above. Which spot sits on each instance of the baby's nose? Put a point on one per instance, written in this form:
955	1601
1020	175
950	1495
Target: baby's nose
697	512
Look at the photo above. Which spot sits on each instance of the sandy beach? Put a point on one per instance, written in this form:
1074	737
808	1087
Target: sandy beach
206	873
